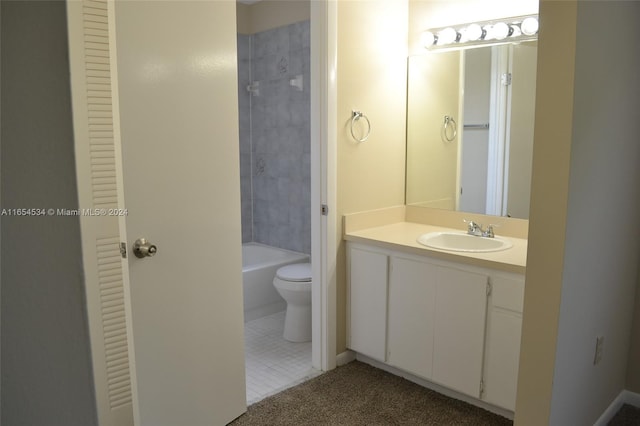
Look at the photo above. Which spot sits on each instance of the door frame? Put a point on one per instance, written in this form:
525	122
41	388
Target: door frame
324	242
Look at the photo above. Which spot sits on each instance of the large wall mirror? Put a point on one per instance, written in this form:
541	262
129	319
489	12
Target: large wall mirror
470	117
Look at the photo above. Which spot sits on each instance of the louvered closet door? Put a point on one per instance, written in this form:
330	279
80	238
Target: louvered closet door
97	193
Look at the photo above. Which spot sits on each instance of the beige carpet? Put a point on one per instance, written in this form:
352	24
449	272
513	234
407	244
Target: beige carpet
358	394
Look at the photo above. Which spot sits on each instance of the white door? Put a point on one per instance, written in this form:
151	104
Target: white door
177	89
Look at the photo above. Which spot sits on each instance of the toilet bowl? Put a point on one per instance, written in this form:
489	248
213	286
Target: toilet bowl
293	282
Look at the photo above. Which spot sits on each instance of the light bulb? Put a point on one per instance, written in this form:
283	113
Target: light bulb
428	39
500	31
515	31
447	36
489	33
474	32
529	26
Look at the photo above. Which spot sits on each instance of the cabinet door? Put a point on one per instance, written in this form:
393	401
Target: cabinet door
412	291
503	353
368	302
503	341
460	315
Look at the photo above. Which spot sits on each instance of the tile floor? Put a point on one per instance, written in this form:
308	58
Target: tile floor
272	363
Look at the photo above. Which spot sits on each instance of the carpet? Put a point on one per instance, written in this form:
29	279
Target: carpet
358	394
627	415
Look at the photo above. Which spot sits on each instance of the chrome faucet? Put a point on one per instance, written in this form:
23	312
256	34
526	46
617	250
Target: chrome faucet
474	228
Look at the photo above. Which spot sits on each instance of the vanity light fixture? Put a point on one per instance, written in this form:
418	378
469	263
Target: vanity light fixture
509	30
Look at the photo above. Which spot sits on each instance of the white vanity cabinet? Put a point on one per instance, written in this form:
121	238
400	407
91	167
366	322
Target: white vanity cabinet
449	323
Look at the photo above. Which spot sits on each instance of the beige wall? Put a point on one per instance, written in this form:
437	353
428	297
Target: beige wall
547	221
599	279
372	52
269	14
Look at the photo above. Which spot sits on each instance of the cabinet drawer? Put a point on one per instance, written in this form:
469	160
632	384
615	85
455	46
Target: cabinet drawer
507	293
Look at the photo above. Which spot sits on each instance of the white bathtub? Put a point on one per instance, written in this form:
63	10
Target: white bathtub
259	266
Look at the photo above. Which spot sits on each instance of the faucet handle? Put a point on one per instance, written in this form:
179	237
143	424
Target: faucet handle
473	228
489	231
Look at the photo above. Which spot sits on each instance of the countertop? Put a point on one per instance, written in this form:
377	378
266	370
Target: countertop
402	236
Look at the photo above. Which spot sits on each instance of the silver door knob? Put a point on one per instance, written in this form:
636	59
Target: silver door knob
143	248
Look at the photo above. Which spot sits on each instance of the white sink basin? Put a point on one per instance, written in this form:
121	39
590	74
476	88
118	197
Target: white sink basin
458	241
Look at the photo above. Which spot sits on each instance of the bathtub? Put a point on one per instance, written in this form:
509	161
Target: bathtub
259	266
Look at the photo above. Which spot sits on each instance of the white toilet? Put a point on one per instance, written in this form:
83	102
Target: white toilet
293	282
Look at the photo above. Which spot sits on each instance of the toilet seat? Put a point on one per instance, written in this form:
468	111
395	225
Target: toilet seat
296	272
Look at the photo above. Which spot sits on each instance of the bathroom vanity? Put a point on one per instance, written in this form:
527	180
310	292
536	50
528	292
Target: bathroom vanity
452	318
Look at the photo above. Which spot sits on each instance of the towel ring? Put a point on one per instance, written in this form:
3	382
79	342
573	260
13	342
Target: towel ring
449	123
356	115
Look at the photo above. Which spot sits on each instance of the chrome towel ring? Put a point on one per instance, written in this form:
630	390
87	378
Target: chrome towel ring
355	116
449	128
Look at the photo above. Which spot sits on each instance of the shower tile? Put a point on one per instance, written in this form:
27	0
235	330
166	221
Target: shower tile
299	35
258	69
283	115
279	122
296	62
296	174
244	46
259	193
305	137
300	112
260	44
269	67
260	143
281	39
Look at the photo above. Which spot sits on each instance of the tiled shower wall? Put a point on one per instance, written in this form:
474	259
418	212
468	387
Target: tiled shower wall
275	137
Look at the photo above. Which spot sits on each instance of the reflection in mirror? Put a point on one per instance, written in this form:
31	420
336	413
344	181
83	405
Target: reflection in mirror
490	94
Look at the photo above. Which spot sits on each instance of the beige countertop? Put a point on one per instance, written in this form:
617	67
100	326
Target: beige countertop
402	236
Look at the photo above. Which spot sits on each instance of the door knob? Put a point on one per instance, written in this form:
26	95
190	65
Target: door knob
143	248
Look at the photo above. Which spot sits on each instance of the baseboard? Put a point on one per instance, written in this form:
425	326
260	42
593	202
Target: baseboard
624	397
345	358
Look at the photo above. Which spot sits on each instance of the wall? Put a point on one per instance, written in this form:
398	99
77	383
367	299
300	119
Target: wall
599	280
270	14
371	77
275	152
46	367
585	188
